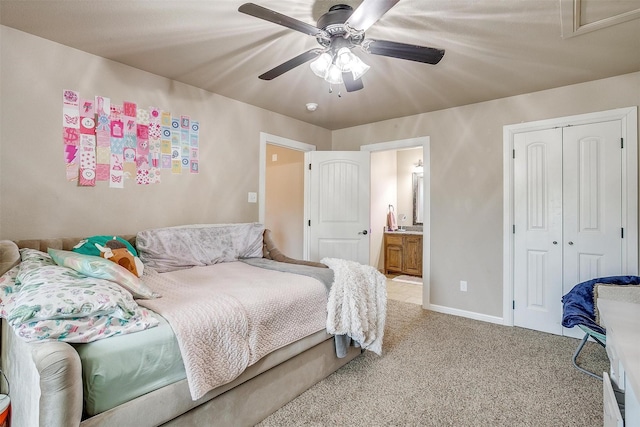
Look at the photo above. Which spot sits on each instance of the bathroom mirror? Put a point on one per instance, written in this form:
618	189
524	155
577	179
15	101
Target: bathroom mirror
418	202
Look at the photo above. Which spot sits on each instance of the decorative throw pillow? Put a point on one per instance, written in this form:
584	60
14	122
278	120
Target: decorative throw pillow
174	248
88	246
113	248
101	268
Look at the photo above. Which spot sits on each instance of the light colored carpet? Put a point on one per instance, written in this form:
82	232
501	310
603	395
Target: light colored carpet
408	279
443	370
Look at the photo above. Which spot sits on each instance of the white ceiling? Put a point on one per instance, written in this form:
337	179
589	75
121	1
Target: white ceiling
494	49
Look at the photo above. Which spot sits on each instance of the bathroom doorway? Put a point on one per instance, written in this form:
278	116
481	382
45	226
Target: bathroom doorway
394	167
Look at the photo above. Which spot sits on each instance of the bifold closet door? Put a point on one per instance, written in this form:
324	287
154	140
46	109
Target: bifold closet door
538	230
592	202
568	216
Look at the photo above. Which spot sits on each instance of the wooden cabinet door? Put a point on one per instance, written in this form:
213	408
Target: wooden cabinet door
412	255
394	259
393	254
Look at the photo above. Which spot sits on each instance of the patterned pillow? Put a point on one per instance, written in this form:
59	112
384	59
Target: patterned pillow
50	291
31	260
85	329
101	268
8	288
174	248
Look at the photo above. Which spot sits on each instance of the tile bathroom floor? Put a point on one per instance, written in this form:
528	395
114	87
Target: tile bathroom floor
401	291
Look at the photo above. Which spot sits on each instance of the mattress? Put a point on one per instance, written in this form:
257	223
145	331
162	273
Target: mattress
121	368
284	310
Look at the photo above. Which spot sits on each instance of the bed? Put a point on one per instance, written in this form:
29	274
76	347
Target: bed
162	374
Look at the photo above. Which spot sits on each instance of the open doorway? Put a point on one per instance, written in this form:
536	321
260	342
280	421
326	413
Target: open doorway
395	169
393	191
284	201
281	191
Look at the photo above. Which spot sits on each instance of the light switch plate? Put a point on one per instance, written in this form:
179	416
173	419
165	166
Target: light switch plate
253	197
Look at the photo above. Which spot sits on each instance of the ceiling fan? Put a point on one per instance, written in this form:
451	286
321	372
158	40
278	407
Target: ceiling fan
337	32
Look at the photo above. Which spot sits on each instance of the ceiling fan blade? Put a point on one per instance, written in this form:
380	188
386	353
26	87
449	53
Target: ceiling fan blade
290	64
278	18
411	52
368	13
350	84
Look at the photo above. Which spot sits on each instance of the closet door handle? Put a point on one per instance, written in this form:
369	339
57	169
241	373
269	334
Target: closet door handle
365	232
555	242
570	243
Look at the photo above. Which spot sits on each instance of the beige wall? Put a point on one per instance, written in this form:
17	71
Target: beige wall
37	201
284	199
466	179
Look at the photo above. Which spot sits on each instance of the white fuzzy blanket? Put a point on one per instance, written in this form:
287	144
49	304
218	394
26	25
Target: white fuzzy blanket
229	315
357	304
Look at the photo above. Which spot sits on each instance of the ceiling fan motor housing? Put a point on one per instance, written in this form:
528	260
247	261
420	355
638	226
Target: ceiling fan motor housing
332	23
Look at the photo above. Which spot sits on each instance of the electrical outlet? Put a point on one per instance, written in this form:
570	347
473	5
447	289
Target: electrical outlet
463	285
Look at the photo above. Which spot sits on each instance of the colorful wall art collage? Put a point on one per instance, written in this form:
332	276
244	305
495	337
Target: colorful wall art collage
108	142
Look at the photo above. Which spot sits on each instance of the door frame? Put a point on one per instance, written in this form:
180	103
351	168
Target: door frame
266	138
629	120
425	143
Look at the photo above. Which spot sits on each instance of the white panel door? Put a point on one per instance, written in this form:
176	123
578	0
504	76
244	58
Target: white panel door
568	217
592	202
339	205
538	227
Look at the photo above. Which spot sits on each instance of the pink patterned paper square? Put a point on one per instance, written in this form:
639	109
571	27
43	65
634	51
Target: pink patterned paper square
87	108
71	136
102	172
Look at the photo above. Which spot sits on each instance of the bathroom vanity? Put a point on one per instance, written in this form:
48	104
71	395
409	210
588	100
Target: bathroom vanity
403	252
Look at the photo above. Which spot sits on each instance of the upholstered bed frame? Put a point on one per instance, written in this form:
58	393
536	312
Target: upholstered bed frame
46	378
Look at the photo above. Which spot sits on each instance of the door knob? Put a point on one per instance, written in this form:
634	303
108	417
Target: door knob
365	232
571	243
555	242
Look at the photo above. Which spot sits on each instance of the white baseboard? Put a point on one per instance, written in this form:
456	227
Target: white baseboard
464	313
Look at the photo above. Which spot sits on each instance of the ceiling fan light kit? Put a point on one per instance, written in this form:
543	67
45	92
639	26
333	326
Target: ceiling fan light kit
337	32
331	67
321	65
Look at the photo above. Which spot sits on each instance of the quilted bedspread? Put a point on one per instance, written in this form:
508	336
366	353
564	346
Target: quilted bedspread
229	315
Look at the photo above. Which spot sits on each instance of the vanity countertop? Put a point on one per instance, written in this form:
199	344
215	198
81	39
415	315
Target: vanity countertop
419	233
